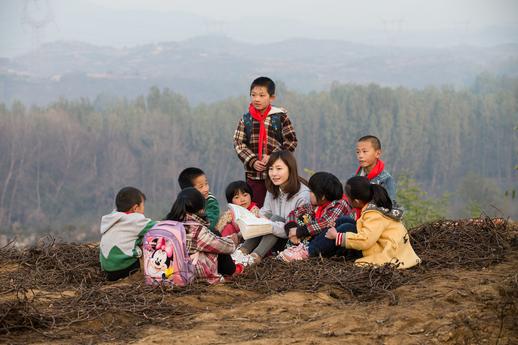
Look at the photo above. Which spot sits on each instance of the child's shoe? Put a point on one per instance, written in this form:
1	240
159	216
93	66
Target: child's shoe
294	253
239	257
253	259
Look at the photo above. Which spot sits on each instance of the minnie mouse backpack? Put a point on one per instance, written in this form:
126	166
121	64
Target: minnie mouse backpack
166	260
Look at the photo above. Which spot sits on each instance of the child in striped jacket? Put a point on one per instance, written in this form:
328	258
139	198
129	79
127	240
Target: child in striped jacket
209	252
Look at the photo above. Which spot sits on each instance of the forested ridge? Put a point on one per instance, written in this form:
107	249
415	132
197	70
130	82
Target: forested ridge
62	164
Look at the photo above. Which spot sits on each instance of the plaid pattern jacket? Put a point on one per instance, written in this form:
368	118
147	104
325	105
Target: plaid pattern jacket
303	218
204	246
247	148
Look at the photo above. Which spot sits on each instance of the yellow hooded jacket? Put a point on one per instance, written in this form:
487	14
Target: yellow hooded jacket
381	237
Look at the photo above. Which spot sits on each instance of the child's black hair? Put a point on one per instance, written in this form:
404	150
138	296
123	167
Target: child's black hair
325	185
237	186
359	187
128	197
189	200
376	143
188	175
265	82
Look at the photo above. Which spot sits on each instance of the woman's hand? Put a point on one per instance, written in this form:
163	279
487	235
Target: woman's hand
331	233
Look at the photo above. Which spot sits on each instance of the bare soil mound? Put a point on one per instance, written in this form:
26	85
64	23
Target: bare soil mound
465	292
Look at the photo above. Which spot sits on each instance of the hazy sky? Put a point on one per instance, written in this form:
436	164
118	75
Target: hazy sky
25	24
367	14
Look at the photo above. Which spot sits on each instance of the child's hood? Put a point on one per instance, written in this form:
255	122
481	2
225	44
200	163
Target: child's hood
110	220
277	110
395	213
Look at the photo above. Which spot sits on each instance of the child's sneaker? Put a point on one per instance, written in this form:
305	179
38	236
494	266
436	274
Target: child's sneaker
239	257
253	259
294	253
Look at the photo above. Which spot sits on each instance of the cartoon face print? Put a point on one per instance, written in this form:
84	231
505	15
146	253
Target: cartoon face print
160	259
159	264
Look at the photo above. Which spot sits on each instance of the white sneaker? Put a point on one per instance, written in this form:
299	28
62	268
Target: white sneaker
252	259
244	259
239	257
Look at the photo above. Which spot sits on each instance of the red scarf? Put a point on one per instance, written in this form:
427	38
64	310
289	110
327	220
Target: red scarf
320	210
251	206
256	114
376	170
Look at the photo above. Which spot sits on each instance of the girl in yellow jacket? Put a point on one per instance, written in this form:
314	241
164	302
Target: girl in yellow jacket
380	235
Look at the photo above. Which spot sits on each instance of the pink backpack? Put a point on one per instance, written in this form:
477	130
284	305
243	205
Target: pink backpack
166	260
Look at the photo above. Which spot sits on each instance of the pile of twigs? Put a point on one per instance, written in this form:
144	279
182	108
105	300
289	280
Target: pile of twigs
362	283
469	243
114	308
55	287
59	265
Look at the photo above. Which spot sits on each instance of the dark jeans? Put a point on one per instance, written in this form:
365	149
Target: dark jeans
116	275
320	245
226	265
259	189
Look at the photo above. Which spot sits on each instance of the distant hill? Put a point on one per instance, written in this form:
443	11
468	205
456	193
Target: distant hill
211	68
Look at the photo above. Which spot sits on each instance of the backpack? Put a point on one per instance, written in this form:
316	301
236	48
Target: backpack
166	260
275	120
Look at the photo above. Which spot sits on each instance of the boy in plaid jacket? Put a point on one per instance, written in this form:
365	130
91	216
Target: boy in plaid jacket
262	130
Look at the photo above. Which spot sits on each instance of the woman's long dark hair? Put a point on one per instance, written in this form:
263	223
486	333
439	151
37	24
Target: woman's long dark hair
292	186
189	200
359	187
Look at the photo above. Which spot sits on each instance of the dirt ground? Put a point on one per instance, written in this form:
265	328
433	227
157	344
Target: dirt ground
453	307
442	306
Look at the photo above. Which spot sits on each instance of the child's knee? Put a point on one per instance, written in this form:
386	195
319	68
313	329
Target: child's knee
313	250
346	227
344	220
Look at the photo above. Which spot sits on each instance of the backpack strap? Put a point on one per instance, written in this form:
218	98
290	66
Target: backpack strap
276	123
247	120
191	223
277	126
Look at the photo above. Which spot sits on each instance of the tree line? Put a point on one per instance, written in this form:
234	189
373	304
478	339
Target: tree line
62	164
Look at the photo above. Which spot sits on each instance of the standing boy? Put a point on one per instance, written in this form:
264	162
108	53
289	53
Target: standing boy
262	130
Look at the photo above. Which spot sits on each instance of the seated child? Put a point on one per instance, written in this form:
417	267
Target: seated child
209	252
194	177
368	152
379	235
307	223
122	232
237	193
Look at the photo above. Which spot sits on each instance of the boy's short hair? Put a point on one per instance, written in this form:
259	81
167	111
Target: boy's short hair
324	184
128	197
376	143
188	175
237	186
265	82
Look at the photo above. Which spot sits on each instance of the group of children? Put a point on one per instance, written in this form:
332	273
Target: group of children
318	217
